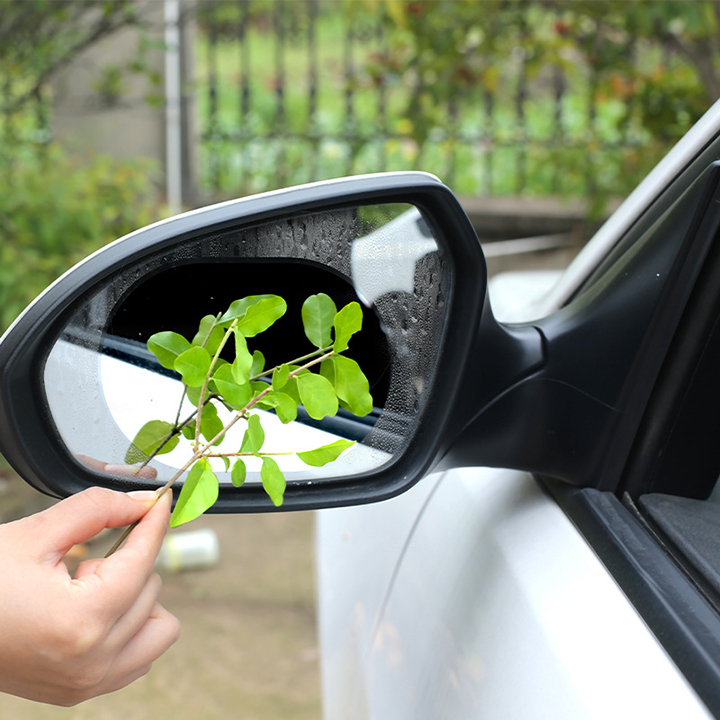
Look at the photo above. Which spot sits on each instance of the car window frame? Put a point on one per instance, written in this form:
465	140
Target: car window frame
661	582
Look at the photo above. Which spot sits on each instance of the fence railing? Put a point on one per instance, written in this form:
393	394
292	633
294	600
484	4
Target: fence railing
291	91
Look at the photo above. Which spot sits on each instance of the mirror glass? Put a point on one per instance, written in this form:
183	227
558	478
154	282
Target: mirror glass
102	384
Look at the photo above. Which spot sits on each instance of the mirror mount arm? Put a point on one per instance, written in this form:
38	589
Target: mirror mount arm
503	359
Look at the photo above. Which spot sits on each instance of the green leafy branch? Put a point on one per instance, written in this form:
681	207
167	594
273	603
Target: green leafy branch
322	381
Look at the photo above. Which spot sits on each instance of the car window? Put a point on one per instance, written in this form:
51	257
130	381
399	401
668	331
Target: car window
656	525
655	211
676	485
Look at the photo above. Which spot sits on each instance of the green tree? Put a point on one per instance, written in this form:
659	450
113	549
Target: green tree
647	70
55	209
39	37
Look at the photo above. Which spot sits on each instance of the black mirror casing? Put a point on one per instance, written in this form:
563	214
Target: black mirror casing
31	442
557	397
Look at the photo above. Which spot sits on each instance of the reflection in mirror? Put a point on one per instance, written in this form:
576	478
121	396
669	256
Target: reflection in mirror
102	384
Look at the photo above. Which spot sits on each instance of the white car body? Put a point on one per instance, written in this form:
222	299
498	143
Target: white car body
474	596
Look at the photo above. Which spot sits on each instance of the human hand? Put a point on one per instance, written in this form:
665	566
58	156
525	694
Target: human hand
65	639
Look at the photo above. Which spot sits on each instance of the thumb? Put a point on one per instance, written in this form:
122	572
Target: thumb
81	517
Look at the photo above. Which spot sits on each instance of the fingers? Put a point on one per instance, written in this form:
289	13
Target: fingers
129	471
80	517
131	622
157	634
120	578
87	567
67	639
129	663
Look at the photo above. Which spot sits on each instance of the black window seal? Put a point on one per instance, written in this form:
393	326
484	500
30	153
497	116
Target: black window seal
673	189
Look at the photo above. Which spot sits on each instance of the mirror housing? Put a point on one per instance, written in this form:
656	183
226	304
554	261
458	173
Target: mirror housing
302	230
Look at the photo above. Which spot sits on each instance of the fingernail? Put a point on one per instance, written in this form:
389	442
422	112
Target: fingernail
164	494
143	495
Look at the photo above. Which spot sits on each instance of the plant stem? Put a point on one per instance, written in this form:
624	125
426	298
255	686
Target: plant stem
201	402
269	373
314	358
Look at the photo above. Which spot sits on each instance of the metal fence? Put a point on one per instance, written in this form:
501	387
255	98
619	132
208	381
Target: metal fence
291	91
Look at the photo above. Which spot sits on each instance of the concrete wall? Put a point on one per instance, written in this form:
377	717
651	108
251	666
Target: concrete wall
125	126
132	123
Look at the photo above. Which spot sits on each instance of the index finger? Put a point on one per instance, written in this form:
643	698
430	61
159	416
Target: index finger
125	573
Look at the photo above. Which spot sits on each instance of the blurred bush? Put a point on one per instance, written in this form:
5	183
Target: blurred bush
55	209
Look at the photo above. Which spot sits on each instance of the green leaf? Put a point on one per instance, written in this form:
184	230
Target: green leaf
280	377
255	313
210	423
209	334
193	365
273	480
167	346
317	395
150	437
325	454
188	431
259	386
285	407
318	313
226	462
258	364
290	388
327	370
223	382
254	436
352	386
243	359
238	473
193	395
347	322
198	494
262	315
238	308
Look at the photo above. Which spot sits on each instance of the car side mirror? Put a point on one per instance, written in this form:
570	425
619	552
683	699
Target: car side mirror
78	381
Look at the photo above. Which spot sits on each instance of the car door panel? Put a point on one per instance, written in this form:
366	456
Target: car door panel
358	551
498	609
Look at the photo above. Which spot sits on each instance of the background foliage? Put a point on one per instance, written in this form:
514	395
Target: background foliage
638	73
501	97
38	37
56	209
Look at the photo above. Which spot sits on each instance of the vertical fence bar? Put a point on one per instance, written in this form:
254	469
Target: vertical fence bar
9	129
520	136
592	130
349	95
381	88
213	132
558	84
631	102
313	130
173	126
450	141
244	99
488	142
279	124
